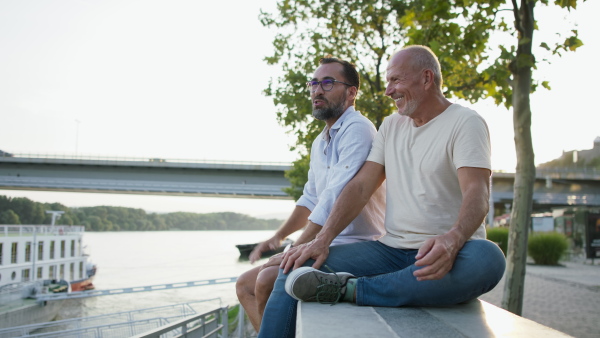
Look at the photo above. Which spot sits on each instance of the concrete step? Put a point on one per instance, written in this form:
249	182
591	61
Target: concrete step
475	319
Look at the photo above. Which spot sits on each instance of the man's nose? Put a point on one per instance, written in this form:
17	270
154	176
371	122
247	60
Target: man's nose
388	90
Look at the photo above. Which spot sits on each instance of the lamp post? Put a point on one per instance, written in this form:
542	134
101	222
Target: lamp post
55	215
77	138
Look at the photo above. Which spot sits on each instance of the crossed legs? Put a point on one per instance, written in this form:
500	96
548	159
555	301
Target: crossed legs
385	278
253	289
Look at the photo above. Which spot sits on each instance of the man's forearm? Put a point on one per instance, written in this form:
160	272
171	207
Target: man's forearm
475	204
352	200
295	222
470	219
348	205
309	233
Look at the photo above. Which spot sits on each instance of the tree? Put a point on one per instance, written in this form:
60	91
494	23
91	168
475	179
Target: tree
522	61
297	176
29	212
458	31
9	217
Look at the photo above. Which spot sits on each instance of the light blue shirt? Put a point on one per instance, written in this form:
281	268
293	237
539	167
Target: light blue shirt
336	156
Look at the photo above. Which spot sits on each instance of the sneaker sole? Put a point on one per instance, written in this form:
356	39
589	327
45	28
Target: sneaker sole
289	282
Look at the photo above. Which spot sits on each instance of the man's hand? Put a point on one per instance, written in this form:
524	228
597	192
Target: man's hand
274	260
296	256
437	256
270	244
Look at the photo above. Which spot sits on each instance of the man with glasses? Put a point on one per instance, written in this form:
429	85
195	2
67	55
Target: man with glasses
336	156
434	156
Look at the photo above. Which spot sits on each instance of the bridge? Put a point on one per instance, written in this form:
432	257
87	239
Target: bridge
552	188
143	176
239	179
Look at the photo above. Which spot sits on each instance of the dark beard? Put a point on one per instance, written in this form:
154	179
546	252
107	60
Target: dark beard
331	112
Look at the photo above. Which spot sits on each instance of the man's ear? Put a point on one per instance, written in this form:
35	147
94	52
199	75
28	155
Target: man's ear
428	78
353	93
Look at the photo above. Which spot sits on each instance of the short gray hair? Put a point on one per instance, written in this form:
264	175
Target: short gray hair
424	58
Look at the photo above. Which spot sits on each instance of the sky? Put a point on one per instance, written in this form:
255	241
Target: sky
184	80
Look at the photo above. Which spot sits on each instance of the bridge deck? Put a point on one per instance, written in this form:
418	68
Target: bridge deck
239	179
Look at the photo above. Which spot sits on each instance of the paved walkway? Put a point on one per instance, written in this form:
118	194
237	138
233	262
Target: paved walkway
565	298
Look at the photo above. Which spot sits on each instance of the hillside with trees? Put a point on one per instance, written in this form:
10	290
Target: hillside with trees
567	162
20	210
587	159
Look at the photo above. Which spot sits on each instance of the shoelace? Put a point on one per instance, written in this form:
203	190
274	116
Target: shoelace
329	292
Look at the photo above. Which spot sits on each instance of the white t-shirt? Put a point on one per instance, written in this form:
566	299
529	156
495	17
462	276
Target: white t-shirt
423	193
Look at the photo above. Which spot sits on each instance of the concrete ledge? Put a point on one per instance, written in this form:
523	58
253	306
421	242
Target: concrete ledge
475	319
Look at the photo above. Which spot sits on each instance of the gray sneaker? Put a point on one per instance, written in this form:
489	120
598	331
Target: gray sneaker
311	285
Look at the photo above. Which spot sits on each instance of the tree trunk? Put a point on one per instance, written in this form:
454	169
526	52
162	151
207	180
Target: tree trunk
520	217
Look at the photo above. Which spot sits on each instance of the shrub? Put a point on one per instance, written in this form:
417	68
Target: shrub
499	236
232	318
546	248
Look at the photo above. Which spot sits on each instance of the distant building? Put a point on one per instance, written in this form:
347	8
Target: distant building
577	158
589	154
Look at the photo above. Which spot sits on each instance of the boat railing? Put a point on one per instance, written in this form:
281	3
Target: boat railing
16	293
26	230
119	324
11	296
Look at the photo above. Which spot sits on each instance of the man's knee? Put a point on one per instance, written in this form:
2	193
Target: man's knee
479	247
266	279
490	250
484	257
245	283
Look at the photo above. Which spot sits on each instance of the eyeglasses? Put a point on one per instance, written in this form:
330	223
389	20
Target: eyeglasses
326	84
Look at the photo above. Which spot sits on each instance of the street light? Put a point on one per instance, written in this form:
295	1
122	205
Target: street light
77	138
55	215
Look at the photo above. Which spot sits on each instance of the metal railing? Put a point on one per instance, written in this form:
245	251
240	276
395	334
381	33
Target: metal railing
120	324
109	158
582	173
119	330
592	171
25	230
212	324
136	289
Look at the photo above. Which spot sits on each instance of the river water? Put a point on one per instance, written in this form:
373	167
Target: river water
131	259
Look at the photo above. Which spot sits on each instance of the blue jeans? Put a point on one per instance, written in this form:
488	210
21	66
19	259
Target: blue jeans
386	279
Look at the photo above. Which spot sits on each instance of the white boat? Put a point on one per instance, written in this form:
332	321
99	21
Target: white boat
39	259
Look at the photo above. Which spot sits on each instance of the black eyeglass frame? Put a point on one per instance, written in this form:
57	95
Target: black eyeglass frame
312	85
